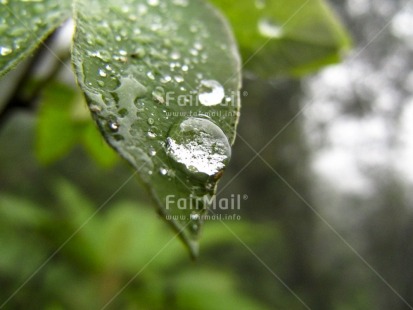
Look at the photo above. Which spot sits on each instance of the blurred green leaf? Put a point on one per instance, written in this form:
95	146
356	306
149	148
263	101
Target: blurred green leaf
102	250
21	244
285	36
131	58
96	146
24	25
55	133
64	121
205	289
19	212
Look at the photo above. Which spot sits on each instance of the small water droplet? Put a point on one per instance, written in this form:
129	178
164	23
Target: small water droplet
114	126
270	29
103	55
159	95
102	73
5	50
194	52
195	227
166	79
198	46
95	108
194	216
152	152
210	93
151	135
175	55
142	9
151	121
199	146
185	68
101	83
139	53
150	75
178	79
163	171
133	17
120	58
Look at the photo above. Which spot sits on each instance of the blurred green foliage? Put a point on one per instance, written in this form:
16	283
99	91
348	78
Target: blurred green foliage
90	254
64	122
286	37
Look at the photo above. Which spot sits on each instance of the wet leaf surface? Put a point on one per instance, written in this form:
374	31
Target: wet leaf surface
162	80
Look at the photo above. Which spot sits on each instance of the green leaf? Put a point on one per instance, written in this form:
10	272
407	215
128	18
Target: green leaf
64	121
283	37
24	25
55	135
162	79
205	289
96	147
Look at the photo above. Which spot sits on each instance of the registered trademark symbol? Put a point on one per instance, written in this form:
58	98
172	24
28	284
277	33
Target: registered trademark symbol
245	197
245	93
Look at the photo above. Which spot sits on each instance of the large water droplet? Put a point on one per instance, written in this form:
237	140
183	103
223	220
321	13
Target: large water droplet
270	29
199	146
210	93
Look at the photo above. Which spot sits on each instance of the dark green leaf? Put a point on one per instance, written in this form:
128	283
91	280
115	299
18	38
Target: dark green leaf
162	79
23	26
285	36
